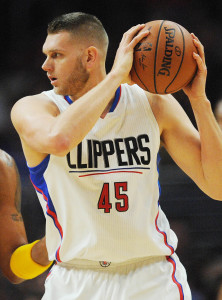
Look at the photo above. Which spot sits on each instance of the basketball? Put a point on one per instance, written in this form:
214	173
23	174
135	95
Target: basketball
163	61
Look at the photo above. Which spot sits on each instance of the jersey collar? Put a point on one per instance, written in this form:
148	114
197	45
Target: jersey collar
114	104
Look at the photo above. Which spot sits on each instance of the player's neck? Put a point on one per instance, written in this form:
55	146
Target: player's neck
93	81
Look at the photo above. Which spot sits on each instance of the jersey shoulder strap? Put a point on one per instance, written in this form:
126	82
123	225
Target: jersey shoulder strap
59	100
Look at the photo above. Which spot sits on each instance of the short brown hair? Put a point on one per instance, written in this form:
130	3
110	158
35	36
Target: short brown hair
80	25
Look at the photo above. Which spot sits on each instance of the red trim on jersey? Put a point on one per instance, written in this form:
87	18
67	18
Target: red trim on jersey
50	272
68	100
180	288
164	236
54	217
58	255
110	173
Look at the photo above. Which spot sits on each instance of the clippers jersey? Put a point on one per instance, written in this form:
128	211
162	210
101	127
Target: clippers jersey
101	199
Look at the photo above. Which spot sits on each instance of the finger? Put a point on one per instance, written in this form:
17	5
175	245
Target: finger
128	36
199	46
138	38
200	50
194	36
201	65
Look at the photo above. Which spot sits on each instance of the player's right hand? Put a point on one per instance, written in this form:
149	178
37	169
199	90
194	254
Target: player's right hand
124	56
196	89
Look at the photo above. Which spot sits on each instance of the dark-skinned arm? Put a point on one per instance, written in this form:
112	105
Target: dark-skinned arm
12	229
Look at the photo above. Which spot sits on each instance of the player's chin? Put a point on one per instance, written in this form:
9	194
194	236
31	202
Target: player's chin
59	91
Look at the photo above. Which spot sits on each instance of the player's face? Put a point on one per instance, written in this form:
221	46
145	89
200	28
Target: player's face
64	65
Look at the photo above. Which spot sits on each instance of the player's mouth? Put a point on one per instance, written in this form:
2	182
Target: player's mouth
52	79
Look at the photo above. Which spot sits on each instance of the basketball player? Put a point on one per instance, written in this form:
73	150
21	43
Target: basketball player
27	260
91	144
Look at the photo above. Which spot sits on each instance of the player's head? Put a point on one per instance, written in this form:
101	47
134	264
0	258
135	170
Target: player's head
82	26
76	45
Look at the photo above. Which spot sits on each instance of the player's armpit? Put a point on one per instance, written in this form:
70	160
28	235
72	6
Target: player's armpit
183	143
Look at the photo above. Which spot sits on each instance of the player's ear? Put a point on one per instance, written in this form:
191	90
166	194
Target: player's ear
91	55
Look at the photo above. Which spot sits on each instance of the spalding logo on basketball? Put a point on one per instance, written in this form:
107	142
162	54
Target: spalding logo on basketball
163	61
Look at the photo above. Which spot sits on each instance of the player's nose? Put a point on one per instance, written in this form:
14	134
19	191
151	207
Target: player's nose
47	65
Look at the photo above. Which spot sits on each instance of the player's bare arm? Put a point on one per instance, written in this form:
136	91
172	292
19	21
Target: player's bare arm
13	233
198	153
44	131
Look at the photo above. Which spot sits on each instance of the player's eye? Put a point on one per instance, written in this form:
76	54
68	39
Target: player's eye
55	55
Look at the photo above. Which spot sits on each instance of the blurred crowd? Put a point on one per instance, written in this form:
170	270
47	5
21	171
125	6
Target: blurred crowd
196	219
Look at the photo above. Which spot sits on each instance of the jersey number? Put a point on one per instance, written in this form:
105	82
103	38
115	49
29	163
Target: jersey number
104	201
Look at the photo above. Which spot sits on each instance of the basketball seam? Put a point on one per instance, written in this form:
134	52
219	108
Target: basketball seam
157	42
139	78
180	62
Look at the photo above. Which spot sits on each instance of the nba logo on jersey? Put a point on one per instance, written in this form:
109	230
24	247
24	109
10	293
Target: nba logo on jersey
105	263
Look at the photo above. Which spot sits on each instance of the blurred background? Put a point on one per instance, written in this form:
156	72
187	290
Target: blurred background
196	219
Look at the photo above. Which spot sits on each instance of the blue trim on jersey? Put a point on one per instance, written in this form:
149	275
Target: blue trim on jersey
179	285
170	259
164	233
161	231
40	185
40	167
67	98
36	175
158	161
115	102
116	99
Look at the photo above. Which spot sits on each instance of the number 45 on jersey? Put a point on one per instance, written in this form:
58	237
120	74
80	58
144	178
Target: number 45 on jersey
121	204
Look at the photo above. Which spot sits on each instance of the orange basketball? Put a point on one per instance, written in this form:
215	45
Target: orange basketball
163	61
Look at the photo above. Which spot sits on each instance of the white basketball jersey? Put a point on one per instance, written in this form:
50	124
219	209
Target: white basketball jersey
101	200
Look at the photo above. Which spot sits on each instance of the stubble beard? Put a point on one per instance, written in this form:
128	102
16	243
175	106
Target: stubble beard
75	83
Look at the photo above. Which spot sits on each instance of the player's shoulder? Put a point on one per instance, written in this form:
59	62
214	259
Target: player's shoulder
165	108
158	103
162	103
7	162
33	104
32	99
9	181
154	99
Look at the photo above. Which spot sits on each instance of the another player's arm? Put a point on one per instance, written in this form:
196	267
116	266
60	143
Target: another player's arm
198	153
12	230
44	130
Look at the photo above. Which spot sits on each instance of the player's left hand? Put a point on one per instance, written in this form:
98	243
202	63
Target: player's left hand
124	56
195	90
